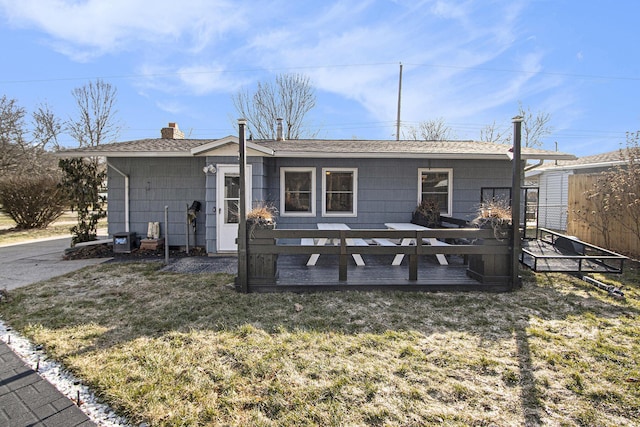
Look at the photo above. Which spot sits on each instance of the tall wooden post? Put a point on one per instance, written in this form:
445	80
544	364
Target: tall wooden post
242	220
399	104
515	201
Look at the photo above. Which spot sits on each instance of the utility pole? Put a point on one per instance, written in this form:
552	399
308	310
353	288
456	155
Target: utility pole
242	220
399	104
515	201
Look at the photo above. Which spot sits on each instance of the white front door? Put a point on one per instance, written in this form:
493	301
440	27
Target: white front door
228	205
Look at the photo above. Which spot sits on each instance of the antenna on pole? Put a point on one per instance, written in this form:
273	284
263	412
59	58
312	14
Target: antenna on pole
399	104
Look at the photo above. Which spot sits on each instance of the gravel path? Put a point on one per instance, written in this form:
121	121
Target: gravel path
203	265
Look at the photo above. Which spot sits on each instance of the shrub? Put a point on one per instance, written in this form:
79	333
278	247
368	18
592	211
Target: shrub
81	182
427	213
32	202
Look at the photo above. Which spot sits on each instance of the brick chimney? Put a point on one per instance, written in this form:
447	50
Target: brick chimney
171	132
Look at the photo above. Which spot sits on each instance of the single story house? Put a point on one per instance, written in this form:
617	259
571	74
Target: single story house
363	183
552	180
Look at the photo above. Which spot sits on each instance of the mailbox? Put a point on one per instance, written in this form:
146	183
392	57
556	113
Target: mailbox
124	242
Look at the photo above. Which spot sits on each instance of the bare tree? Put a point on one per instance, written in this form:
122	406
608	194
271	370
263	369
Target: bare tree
96	122
535	126
429	130
492	133
46	127
29	179
289	97
622	197
13	145
613	202
24	150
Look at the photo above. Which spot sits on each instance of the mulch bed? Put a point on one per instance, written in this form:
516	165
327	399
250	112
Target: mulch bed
105	250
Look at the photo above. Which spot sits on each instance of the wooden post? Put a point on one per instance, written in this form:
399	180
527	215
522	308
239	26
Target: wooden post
399	104
166	235
242	220
342	263
515	201
414	257
186	230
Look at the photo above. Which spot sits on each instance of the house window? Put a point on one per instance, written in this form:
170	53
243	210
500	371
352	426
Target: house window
340	192
297	191
492	194
436	184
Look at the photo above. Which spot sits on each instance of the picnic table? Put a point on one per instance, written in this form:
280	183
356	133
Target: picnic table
408	226
323	241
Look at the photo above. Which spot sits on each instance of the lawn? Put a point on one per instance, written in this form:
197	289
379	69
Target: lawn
59	228
175	349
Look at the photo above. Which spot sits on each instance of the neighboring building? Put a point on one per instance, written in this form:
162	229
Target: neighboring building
358	182
552	179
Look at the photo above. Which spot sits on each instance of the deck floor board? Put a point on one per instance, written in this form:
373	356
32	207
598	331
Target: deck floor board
378	273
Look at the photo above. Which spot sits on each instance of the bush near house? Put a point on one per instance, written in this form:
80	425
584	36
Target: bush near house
32	202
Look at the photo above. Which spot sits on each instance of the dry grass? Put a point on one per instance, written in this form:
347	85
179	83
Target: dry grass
172	349
60	228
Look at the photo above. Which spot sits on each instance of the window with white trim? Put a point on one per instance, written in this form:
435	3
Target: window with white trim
436	184
339	192
297	191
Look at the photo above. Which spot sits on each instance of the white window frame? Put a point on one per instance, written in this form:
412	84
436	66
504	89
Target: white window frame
354	190
312	200
449	171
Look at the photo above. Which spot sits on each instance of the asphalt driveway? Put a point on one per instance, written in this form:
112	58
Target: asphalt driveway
26	263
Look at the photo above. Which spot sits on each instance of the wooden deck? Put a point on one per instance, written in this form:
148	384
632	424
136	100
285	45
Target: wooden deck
377	274
277	260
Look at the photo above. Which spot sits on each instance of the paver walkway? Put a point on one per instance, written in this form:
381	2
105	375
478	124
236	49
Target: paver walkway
26	399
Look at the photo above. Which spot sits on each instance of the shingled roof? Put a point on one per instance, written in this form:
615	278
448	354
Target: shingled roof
162	147
602	160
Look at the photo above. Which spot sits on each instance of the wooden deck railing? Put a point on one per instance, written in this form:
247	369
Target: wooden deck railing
265	244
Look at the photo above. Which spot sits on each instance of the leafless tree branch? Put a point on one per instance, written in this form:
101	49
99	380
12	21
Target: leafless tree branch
289	97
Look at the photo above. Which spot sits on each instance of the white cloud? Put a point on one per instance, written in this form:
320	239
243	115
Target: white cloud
452	51
204	79
173	107
91	28
452	41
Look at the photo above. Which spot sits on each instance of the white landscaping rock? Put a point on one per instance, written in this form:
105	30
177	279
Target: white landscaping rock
63	380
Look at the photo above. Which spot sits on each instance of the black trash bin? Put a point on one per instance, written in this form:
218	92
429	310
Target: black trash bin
125	242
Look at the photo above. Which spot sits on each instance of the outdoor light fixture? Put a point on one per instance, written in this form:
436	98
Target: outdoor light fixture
209	169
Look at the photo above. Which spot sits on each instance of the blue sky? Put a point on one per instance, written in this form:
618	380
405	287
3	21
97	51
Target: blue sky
467	62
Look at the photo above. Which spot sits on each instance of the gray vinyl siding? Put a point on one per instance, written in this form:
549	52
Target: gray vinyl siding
388	189
153	184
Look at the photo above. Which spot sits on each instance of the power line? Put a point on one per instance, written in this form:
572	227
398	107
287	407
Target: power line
547	73
316	67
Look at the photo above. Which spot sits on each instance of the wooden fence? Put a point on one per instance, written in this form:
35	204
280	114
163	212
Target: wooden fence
619	238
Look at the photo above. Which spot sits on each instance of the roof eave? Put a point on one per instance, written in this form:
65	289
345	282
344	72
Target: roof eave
394	155
212	146
98	153
548	156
